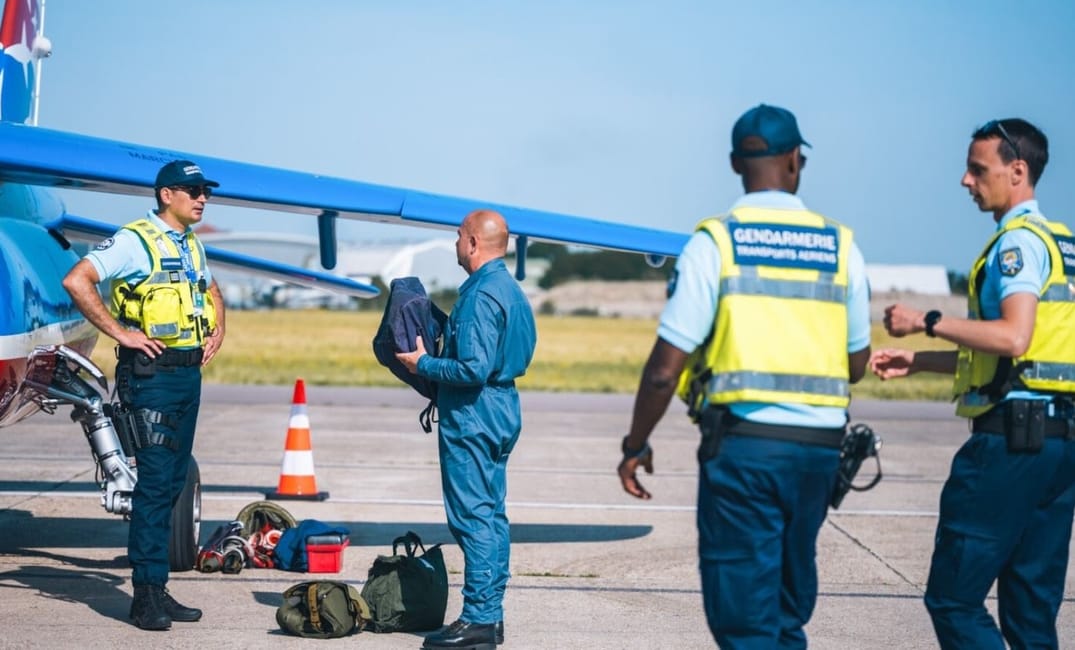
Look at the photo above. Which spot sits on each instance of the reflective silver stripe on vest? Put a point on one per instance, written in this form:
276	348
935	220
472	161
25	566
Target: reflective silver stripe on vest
1050	371
747	380
1060	292
754	286
164	277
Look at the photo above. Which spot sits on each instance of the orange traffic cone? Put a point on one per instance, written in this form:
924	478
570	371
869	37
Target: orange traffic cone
297	479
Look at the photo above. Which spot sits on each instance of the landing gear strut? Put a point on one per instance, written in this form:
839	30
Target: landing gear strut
54	378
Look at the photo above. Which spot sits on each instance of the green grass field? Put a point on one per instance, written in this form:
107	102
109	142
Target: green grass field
588	354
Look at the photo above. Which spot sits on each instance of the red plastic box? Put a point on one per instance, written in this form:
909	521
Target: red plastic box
324	553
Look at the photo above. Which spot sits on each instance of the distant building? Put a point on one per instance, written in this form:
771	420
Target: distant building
908	278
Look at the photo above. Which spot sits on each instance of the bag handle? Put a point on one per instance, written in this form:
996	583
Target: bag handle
410	542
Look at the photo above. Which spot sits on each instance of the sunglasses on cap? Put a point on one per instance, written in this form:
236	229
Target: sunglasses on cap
194	190
995	127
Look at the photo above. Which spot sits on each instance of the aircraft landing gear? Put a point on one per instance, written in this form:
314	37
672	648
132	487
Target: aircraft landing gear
186	522
53	379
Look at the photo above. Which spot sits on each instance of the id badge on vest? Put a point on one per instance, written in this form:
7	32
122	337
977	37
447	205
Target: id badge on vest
192	276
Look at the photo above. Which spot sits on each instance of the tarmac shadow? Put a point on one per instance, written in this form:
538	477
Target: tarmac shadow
22	530
97	590
373	533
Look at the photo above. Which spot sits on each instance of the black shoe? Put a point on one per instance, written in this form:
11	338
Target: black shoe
463	636
177	612
500	632
147	608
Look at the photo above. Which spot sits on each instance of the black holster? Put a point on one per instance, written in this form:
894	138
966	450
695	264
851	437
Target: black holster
1025	425
710	422
134	428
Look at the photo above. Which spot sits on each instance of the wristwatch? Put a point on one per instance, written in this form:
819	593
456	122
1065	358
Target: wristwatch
627	453
932	318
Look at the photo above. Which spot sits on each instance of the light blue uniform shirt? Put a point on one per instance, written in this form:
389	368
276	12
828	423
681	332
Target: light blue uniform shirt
691	311
124	257
1026	270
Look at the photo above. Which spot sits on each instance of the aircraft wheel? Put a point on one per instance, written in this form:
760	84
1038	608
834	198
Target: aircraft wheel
186	522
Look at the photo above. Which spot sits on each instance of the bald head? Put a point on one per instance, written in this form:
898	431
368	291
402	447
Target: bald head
483	236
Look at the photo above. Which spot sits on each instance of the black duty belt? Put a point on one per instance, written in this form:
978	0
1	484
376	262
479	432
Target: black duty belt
169	358
831	438
996	421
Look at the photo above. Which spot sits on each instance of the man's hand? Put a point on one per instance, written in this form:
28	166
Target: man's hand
137	340
892	363
212	345
628	467
410	359
901	320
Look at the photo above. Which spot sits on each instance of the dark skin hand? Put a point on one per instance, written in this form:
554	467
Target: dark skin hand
655	391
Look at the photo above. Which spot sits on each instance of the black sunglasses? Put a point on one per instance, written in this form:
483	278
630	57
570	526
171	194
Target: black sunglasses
195	190
995	127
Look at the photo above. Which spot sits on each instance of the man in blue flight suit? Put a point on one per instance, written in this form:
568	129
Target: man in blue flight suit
767	323
167	315
489	341
1006	509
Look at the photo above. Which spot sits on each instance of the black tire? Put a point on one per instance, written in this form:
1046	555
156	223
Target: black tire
186	522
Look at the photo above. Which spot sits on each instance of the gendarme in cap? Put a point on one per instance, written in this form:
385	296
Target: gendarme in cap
765	131
182	172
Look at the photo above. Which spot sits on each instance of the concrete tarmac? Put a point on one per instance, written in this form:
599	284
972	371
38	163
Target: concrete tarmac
592	567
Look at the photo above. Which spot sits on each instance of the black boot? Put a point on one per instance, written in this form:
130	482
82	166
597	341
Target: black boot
147	608
179	613
461	635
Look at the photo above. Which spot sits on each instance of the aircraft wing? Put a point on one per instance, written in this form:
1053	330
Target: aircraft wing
38	156
75	227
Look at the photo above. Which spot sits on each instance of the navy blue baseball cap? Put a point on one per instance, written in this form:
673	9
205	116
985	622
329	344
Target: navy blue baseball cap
765	131
182	172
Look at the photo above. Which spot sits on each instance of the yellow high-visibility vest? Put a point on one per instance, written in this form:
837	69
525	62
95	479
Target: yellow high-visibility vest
781	325
1048	365
167	305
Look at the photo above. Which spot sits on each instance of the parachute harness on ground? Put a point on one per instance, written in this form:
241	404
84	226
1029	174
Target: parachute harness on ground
249	540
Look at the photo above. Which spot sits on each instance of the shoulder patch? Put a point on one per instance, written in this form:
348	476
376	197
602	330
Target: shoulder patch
671	288
1010	261
107	243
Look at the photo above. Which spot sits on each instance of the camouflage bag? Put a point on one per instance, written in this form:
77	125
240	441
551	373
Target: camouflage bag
322	609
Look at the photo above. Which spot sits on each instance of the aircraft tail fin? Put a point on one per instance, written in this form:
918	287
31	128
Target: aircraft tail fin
22	46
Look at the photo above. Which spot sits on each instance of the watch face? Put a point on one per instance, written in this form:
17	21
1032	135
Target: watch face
931	319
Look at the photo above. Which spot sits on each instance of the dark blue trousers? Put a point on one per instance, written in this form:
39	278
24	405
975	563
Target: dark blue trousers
1004	518
162	472
761	504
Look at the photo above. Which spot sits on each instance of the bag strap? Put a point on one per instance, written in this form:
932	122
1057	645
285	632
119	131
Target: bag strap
428	416
410	542
311	605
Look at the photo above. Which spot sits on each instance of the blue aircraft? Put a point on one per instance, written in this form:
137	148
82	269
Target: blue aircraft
44	340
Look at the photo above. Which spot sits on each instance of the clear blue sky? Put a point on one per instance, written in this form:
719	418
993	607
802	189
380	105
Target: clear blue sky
612	110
